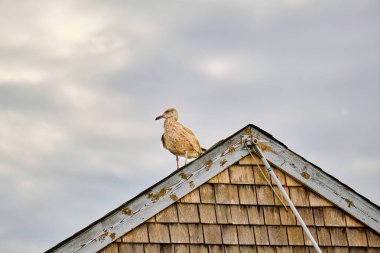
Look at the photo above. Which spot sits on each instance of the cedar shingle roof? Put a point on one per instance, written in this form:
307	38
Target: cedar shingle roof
221	203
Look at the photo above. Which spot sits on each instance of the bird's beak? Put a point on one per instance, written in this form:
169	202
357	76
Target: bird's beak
159	117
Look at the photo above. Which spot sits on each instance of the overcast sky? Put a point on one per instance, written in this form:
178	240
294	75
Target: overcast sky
82	81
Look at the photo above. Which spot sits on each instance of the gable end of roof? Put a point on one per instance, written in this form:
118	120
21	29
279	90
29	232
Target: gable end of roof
223	154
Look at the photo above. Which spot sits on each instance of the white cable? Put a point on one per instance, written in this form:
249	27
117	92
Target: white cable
290	203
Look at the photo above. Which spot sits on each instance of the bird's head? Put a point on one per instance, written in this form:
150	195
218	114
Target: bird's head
169	113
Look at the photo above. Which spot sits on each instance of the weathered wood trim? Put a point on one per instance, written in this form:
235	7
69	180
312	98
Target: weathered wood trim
128	216
319	181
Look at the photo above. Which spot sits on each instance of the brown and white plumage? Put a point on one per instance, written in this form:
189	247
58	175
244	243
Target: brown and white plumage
177	138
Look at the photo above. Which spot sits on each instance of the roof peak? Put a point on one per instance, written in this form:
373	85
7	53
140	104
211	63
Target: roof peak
220	156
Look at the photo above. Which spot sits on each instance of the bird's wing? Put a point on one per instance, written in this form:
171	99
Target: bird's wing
188	130
163	141
193	139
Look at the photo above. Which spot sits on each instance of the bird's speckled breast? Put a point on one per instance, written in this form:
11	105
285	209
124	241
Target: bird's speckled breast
177	140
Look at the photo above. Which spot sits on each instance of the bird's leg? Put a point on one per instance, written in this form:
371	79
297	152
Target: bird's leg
176	158
186	157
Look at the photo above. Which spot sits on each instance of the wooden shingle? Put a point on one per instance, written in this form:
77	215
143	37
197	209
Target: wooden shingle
324	238
338	236
261	235
192	197
245	235
291	182
181	248
338	250
223	214
280	197
152	219
247	249
169	214
241	174
158	233
167	248
226	194
295	235
112	248
280	176
358	250
277	235
207	213
221	178
179	233
239	214
188	213
264	195
271	215
255	215
194	248
215	249
313	232
287	217
231	249
260	173
212	234
138	234
152	248
229	234
334	217
266	249
318	216
351	222
195	233
131	247
356	237
299	196
248	160
207	193
307	215
316	200
284	249
247	194
302	249
373	238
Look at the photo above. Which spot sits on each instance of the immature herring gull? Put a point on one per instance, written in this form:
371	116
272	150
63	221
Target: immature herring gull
177	138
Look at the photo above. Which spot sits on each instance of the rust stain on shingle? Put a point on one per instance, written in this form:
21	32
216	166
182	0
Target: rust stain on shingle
184	175
208	164
103	236
174	197
349	202
265	147
156	196
126	211
305	175
112	235
229	150
223	162
191	183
